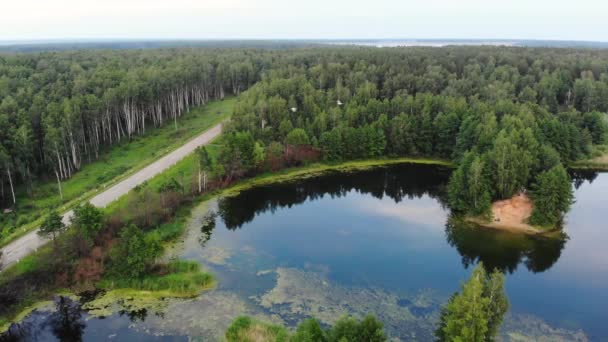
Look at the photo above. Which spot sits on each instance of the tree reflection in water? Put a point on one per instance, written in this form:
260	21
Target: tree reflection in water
496	249
66	322
503	250
395	182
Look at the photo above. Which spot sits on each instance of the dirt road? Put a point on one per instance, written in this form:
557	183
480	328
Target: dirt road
32	241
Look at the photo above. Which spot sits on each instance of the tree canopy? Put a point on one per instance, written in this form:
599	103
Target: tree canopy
520	111
476	312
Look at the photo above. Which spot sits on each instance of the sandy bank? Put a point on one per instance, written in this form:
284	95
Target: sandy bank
511	214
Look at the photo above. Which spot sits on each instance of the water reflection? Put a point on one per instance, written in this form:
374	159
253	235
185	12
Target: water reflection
396	182
503	250
207	226
579	177
386	236
495	248
64	323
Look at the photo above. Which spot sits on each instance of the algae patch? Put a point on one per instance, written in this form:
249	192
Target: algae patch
528	328
124	300
216	255
301	294
206	317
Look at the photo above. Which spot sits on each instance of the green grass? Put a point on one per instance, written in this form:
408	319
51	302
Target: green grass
113	165
177	279
246	329
317	169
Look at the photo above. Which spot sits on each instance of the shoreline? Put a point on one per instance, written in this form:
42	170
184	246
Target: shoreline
512	215
317	169
281	176
522	229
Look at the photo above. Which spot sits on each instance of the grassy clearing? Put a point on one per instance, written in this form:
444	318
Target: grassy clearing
598	161
115	164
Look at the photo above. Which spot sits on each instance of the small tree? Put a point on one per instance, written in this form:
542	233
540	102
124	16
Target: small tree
88	220
476	312
51	226
275	155
168	186
205	166
297	137
135	252
350	329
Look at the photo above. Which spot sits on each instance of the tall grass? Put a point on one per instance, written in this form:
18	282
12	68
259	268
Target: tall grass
178	278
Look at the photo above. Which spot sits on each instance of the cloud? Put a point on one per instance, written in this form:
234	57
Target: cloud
425	213
541	19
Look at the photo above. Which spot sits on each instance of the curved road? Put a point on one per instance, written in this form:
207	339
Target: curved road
32	241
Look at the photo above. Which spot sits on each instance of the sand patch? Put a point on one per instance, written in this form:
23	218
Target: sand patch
511	214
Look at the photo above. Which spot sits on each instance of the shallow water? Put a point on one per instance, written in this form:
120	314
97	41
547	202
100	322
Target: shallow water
380	242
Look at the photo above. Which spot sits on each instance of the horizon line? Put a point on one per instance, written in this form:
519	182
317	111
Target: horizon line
152	39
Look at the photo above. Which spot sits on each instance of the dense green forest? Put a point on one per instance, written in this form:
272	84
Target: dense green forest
505	115
509	118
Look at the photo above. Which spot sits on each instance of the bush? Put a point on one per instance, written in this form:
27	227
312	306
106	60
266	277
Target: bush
135	252
245	329
346	329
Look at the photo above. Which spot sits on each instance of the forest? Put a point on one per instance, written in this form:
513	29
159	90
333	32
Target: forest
510	118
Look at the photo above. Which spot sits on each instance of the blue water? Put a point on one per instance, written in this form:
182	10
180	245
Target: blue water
389	233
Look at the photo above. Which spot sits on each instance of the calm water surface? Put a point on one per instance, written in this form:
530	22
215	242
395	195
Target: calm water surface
379	242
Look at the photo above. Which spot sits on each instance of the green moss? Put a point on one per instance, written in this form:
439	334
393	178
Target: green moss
125	299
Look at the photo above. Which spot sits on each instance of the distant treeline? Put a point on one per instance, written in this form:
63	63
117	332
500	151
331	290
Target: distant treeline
130	44
515	112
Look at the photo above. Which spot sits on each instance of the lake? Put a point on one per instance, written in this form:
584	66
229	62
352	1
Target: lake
379	241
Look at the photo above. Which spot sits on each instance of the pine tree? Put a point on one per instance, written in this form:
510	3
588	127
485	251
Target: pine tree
476	312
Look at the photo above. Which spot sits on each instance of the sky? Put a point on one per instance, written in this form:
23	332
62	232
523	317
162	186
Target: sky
304	19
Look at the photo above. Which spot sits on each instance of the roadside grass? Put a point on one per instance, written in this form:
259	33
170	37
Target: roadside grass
113	165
